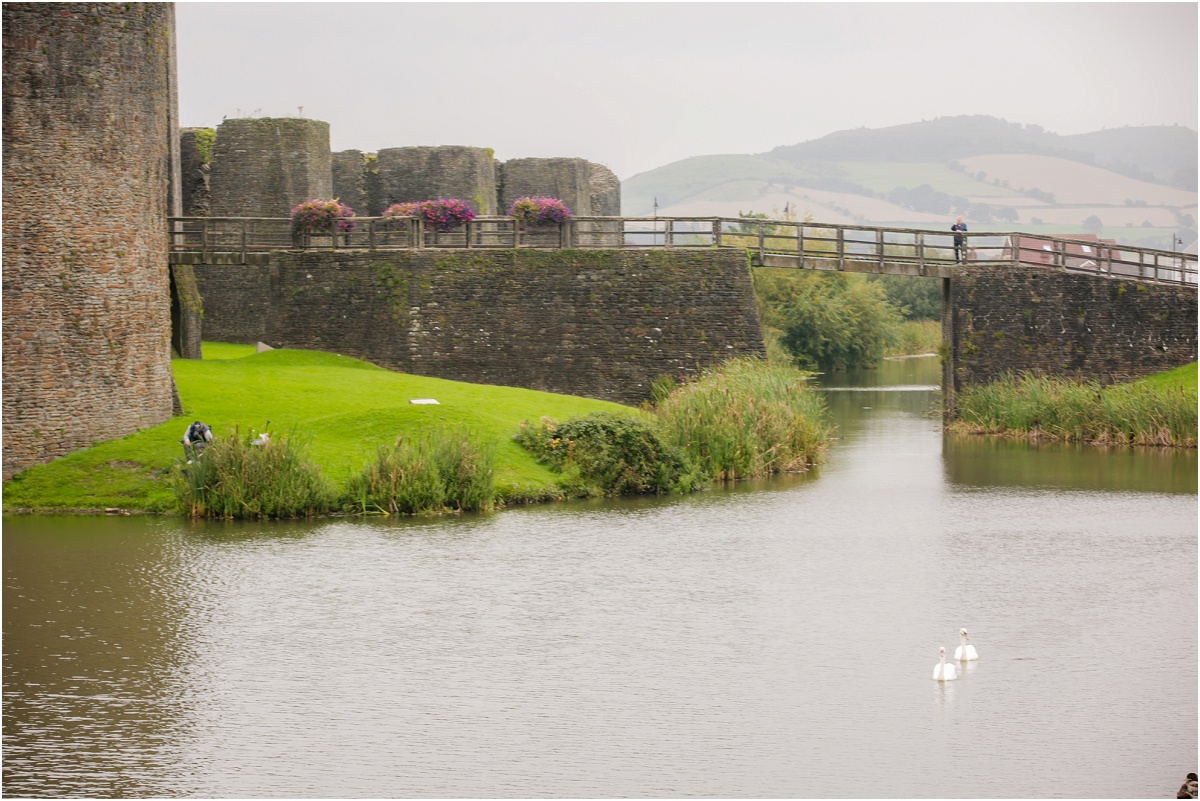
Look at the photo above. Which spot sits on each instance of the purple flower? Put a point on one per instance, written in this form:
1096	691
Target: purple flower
540	211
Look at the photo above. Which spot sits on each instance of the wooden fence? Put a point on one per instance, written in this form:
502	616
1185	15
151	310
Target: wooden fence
235	240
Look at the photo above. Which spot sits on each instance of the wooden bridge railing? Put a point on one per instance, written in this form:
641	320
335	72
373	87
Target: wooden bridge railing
771	242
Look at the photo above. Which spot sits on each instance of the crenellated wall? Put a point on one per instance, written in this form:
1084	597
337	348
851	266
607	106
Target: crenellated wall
90	166
1008	319
601	324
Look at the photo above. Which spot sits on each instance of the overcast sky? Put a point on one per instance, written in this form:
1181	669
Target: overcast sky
635	86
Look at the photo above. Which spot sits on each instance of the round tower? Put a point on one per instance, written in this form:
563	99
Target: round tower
89	147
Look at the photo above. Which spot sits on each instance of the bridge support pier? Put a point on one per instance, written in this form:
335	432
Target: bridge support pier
947	351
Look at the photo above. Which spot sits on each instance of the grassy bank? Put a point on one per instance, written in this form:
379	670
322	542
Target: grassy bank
344	407
1158	410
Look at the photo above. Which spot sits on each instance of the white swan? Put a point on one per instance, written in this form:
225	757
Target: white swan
965	652
942	671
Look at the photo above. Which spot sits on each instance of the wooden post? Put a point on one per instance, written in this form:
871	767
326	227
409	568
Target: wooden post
204	241
243	241
762	239
371	233
841	247
418	233
716	232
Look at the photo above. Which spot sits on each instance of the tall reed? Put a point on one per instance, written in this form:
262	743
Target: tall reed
235	479
1079	411
445	469
747	418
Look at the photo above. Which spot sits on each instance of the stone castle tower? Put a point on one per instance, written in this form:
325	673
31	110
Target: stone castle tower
90	173
263	167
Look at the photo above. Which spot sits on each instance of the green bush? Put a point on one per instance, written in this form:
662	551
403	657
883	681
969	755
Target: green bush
236	479
827	321
444	469
609	454
747	418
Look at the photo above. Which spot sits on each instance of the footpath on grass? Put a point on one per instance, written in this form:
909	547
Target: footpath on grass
345	408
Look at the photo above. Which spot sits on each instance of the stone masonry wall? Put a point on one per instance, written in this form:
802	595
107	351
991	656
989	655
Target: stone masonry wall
601	324
87	136
423	173
264	167
350	181
568	179
1067	324
605	191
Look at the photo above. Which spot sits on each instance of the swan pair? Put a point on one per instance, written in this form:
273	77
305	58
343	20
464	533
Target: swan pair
965	652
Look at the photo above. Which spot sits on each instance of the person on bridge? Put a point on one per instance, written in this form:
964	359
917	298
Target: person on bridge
960	249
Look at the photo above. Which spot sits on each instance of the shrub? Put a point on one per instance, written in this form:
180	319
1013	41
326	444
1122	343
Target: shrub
317	217
609	454
444	214
827	321
235	479
444	469
539	212
747	418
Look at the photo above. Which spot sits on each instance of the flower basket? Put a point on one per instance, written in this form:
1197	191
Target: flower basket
396	216
539	212
317	217
444	214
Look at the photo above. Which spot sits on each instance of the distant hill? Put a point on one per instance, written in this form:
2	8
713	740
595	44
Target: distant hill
1136	185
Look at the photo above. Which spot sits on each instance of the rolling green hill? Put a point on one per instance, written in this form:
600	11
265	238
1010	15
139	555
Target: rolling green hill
1138	183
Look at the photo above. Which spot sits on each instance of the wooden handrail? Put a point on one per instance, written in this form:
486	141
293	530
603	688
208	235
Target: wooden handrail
837	243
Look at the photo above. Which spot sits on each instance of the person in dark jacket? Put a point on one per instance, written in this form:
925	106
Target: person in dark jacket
194	439
960	241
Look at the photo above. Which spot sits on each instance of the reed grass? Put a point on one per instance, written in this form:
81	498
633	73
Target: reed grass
449	469
1138	413
915	338
235	479
745	419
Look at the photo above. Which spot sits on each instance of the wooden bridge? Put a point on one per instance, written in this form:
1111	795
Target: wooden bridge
770	243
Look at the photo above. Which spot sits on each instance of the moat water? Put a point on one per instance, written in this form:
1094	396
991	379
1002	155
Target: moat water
776	639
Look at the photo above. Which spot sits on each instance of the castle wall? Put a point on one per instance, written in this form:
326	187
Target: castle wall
605	191
424	173
601	324
568	179
88	156
264	167
1008	319
350	181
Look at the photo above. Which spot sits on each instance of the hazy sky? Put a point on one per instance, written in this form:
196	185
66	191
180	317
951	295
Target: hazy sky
638	85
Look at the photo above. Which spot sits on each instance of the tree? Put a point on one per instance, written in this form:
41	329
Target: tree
1093	224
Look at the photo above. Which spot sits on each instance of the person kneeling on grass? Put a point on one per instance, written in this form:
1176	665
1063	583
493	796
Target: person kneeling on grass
194	439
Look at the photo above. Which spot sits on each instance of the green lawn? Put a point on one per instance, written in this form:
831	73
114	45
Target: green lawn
1181	377
346	406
